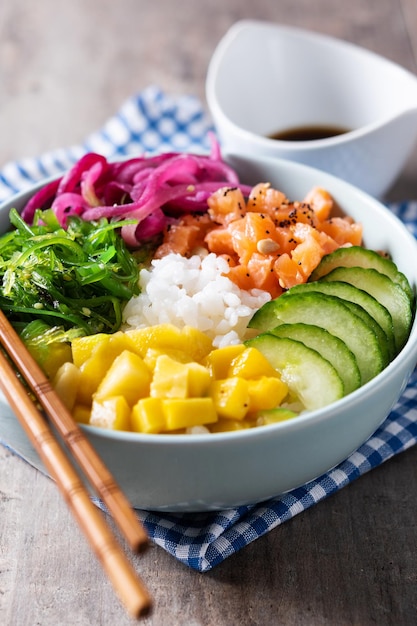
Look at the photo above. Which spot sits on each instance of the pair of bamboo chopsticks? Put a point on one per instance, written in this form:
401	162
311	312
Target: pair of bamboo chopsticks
121	573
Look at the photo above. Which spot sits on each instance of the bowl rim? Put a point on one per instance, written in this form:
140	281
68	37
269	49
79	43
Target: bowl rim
408	353
226	43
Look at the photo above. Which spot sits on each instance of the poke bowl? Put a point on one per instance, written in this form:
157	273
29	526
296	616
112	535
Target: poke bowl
204	471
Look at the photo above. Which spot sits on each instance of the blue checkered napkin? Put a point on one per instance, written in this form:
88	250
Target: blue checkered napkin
150	122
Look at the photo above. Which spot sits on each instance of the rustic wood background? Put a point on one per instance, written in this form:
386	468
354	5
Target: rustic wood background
65	67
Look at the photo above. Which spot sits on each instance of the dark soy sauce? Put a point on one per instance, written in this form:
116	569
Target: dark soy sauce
309	133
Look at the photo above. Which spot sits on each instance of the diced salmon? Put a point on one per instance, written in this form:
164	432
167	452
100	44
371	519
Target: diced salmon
226	205
220	241
257	274
290	214
269	242
265	199
184	236
247	232
321	201
310	249
288	272
343	230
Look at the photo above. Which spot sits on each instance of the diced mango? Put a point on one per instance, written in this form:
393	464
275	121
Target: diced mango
165	379
188	412
112	345
251	363
128	376
119	342
152	354
148	416
172	379
166	337
83	347
112	413
266	393
66	383
199	380
227	425
92	372
219	360
95	367
81	413
231	397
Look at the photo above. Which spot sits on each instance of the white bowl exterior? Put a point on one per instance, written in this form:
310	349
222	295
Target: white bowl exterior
207	472
264	78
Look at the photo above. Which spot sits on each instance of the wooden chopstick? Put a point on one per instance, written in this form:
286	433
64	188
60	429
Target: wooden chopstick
126	583
81	449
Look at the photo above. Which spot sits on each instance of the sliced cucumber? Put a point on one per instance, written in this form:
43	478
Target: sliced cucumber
369	320
329	346
383	325
311	377
355	256
383	289
265	318
331	313
273	416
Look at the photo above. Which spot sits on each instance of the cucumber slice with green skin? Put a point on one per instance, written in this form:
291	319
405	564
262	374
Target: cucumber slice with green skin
313	379
388	293
265	318
381	336
273	416
356	256
384	328
329	346
328	312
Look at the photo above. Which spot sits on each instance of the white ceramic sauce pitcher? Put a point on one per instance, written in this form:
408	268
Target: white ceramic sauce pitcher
264	78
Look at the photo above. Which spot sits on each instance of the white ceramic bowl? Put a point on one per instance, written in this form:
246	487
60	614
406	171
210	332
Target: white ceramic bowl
205	472
264	78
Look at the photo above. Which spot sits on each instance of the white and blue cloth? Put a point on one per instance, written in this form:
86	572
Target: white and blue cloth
153	121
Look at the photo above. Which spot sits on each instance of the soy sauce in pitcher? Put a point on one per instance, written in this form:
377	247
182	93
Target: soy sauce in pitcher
309	133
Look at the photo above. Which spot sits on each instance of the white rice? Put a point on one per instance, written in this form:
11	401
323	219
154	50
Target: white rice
194	292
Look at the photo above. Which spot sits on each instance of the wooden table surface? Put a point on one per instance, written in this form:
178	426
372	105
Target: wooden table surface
65	67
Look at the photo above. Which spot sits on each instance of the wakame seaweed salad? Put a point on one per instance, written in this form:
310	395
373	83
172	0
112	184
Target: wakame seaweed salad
77	278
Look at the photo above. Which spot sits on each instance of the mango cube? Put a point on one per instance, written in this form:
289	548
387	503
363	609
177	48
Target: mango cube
94	369
112	413
81	413
152	355
251	363
227	425
231	397
148	416
199	380
172	379
219	360
92	372
188	412
104	350
166	337
128	376
266	393
66	383
83	347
